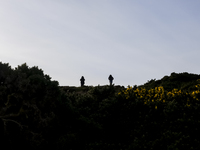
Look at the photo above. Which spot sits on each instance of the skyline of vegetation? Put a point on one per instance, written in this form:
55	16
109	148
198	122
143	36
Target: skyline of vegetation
37	113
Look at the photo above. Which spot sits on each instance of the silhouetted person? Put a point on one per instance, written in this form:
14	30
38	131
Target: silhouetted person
110	78
82	81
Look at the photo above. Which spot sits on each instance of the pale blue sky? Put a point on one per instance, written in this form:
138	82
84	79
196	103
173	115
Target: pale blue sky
134	40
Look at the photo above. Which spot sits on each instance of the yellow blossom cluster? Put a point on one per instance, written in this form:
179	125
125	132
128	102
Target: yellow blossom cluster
158	95
147	96
173	93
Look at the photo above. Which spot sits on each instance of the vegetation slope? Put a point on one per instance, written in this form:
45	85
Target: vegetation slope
37	113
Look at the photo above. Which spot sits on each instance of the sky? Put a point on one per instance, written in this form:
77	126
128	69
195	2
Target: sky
133	40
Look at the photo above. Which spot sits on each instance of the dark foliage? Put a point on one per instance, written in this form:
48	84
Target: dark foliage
38	114
28	103
175	80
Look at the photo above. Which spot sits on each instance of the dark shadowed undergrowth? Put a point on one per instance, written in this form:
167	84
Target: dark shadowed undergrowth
37	113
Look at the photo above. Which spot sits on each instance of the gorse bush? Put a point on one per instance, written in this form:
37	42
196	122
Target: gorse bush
36	113
165	115
138	117
158	96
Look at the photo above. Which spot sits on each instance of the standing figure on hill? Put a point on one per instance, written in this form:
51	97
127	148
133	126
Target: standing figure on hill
110	78
82	81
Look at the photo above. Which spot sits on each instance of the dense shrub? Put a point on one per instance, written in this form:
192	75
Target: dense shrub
28	100
36	113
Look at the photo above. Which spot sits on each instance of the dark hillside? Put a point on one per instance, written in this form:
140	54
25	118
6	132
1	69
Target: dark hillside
175	80
36	113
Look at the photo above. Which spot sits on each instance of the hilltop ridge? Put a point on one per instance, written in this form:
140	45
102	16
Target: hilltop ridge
175	80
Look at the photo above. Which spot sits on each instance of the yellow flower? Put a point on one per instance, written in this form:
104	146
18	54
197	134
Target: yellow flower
156	107
193	93
188	105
